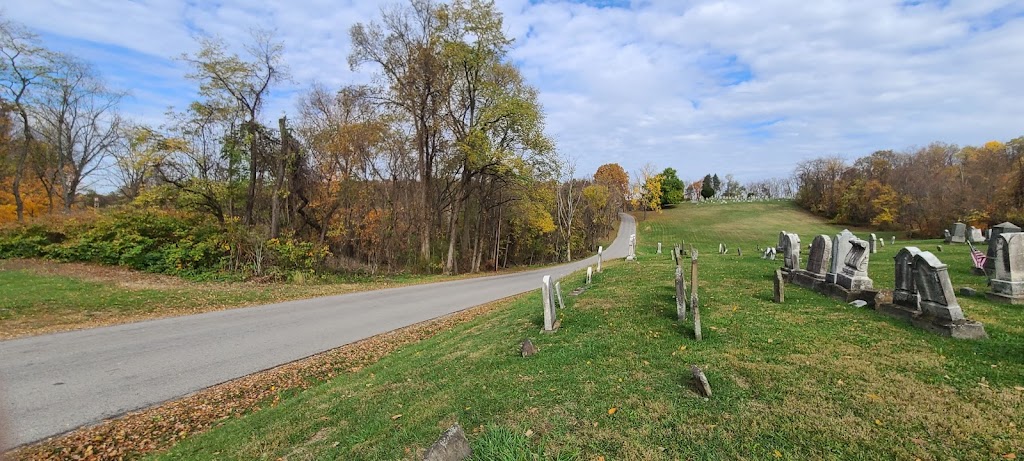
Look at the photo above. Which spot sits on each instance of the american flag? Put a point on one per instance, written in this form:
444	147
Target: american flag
979	258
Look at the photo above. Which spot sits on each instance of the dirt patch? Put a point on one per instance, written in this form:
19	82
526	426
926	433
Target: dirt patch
160	427
119	276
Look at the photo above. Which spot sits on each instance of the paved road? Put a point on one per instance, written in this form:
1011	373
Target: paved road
55	383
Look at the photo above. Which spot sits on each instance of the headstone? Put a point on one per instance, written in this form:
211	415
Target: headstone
939	248
632	248
558	294
818	260
550	316
771	254
659	247
882	242
905	294
854	276
791	252
527	348
452	446
840	249
975	235
694	299
600	256
590	274
739	252
968	291
994	232
701	381
721	248
680	295
1008	281
988	234
946	236
931	280
780	288
958	233
873	244
893	241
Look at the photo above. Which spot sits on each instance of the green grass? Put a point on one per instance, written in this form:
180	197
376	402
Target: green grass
809	379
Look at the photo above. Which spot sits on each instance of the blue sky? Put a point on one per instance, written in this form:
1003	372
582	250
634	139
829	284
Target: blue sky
749	88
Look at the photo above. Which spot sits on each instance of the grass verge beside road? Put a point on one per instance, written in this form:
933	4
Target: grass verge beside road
811	378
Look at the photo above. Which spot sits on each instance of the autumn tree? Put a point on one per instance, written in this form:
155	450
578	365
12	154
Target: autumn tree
615	178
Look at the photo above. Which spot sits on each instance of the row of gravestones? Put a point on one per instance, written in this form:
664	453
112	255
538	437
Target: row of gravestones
928	280
551	293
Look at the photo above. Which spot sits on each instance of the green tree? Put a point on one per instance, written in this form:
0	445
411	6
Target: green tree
671	187
707	188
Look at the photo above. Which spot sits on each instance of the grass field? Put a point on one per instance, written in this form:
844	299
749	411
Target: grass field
809	379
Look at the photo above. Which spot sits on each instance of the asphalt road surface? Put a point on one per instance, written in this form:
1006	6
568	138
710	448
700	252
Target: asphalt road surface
55	383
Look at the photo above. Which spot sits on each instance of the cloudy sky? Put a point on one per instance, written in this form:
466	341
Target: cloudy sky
743	87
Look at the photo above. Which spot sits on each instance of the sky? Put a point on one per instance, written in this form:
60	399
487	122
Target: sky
749	88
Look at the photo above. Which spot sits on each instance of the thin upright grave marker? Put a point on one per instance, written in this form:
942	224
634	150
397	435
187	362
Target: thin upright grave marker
680	295
780	287
550	316
659	247
600	256
590	274
558	294
694	299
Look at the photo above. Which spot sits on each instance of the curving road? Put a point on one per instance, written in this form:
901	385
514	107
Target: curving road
55	383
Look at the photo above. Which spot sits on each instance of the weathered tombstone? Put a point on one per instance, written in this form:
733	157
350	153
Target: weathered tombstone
817	264
905	294
632	248
882	242
975	235
840	249
873	244
680	295
854	276
659	247
931	280
958	233
946	236
1008	281
452	446
994	232
791	252
526	348
694	299
558	294
893	241
721	248
600	256
988	234
590	274
780	287
550	316
739	252
701	381
771	254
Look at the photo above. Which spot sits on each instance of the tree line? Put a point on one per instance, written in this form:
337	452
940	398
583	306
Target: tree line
921	191
442	164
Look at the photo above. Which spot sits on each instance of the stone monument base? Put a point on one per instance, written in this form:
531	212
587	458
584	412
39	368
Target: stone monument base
999	297
959	329
806	280
847	296
554	328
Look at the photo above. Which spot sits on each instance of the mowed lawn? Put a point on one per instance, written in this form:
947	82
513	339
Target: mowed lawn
809	379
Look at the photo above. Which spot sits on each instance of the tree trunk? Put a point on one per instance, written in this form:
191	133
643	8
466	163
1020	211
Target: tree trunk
250	201
19	169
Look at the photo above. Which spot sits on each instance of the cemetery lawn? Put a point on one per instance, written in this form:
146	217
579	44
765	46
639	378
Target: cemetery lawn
809	379
41	296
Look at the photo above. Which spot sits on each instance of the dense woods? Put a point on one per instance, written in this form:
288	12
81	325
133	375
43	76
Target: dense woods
921	191
440	165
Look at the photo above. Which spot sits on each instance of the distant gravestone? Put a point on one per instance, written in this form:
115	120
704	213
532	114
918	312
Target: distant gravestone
721	248
905	294
1008	281
854	276
558	294
659	247
975	235
600	256
893	241
840	249
946	236
994	233
590	274
452	446
771	254
739	252
779	295
680	294
958	233
700	381
873	244
881	242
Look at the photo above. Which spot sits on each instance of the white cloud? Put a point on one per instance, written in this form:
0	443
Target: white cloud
743	87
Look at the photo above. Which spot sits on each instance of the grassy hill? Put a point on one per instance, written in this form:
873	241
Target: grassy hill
811	378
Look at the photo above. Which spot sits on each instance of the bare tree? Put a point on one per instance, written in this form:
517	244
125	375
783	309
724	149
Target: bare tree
78	119
569	195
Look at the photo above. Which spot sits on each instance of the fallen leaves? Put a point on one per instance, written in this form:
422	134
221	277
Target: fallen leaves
612	410
1010	456
396	417
160	427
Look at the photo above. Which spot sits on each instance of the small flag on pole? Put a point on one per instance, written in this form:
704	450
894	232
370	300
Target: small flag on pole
979	259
